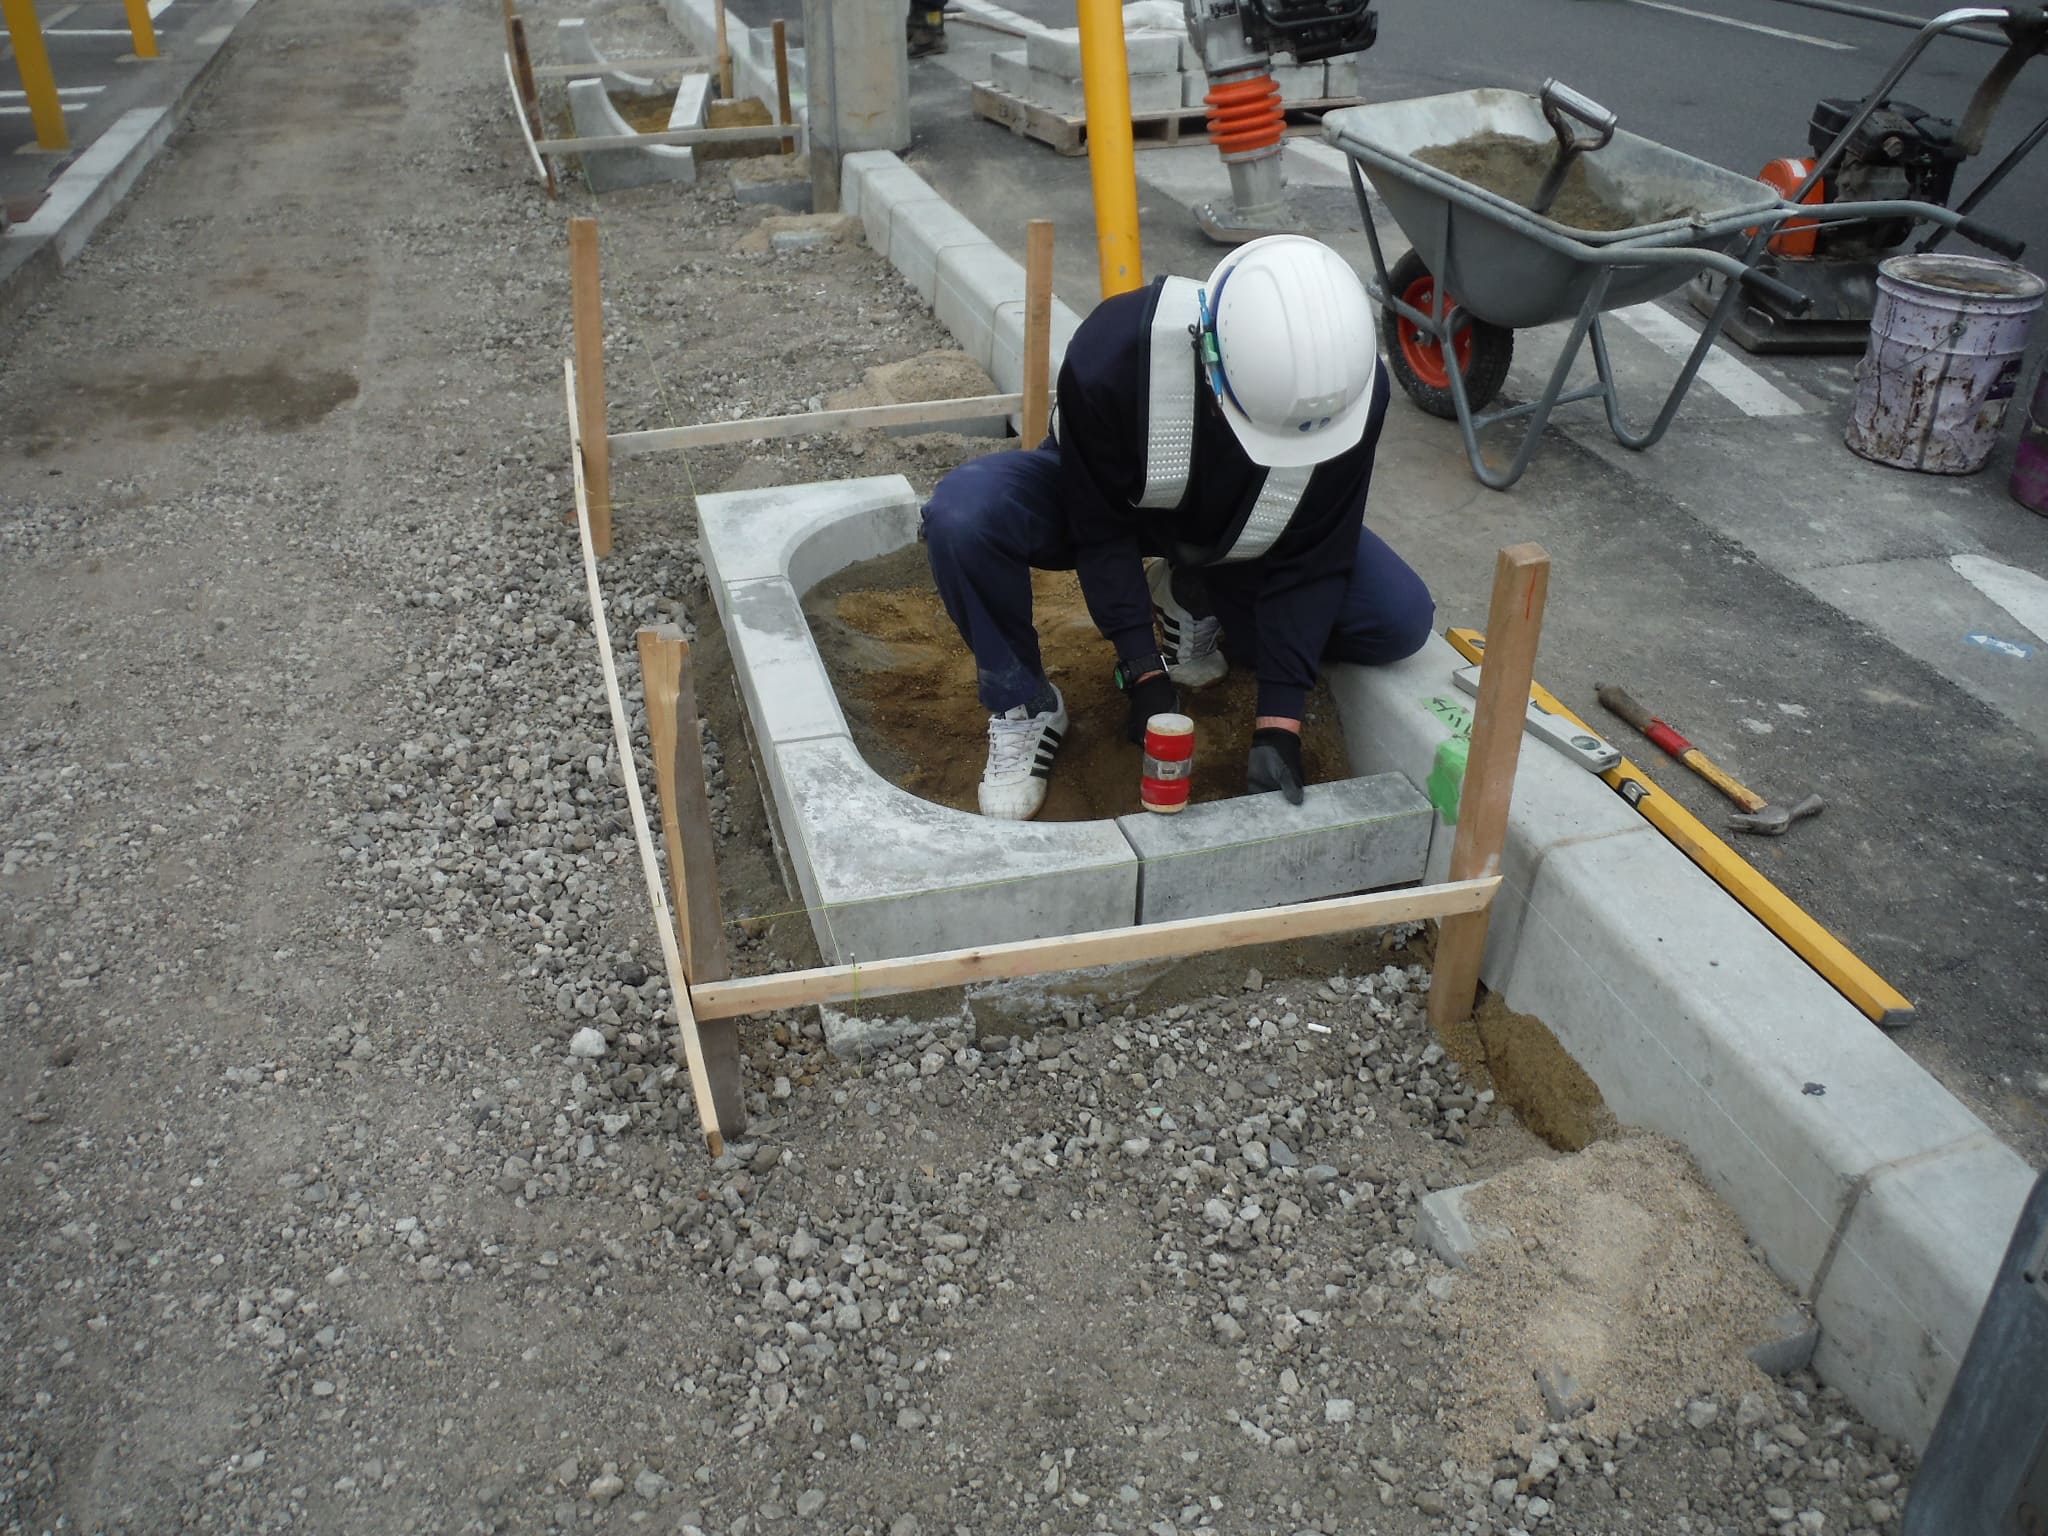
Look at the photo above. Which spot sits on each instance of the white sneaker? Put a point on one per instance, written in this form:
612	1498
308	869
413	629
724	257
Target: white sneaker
1021	747
1192	659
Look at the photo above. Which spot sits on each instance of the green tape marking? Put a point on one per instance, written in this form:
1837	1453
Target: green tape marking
1451	713
1447	778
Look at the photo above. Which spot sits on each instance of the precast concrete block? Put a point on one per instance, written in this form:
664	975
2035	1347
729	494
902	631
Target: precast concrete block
1006	362
1194	86
788	693
1299	82
1910	1275
572	36
803	533
616	170
1344	76
1055	93
1258	851
973	282
1009	73
920	231
692	103
1058	53
879	189
885	873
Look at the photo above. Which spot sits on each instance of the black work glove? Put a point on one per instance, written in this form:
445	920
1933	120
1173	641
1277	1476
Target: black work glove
1275	763
1154	696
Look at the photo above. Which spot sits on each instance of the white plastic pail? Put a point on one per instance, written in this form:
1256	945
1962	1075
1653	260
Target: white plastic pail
1946	339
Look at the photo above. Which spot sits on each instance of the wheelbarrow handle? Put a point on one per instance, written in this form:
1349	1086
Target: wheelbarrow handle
1561	101
1784	295
1991	239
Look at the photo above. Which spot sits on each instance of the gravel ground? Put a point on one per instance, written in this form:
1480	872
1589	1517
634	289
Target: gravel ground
346	1179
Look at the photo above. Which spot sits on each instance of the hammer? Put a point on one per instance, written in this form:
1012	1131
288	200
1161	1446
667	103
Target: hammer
1757	814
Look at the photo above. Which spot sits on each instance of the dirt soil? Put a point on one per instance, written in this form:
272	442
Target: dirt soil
1517	1055
1515	167
906	680
348	1178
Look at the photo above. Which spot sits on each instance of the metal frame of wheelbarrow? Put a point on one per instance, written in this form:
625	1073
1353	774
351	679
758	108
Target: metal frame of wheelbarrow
1440	322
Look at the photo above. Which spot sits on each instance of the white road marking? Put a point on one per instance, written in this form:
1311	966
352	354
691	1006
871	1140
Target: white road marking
1743	387
1748	26
62	90
87	32
2020	593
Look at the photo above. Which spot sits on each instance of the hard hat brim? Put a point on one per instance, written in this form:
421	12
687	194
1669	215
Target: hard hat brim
1291	450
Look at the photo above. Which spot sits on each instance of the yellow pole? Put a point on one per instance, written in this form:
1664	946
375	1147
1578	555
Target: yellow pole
33	60
1106	86
142	28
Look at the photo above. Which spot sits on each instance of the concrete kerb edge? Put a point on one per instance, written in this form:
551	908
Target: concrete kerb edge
617	170
1718	1057
94	185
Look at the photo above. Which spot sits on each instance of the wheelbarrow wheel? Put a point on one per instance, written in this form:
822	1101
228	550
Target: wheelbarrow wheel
1483	350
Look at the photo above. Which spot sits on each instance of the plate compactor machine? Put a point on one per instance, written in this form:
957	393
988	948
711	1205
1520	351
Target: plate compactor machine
1237	40
1879	149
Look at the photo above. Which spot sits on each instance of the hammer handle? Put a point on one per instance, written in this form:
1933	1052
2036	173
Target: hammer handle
1624	704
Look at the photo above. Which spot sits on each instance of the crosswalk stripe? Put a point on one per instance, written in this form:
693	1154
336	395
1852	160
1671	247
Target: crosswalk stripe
1742	386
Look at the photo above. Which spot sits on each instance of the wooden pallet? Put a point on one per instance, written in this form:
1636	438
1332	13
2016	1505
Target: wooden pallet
1149	130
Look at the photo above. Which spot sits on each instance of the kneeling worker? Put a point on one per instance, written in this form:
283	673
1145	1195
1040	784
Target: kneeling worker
1228	430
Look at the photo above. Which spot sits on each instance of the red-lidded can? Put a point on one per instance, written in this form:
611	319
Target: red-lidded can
1169	761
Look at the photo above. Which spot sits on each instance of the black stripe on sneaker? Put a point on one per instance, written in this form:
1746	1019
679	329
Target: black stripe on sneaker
1042	771
1052	736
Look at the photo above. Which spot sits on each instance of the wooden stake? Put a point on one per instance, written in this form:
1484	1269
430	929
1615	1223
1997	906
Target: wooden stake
622	736
1037	330
587	307
854	418
529	93
782	109
1070	952
668	681
724	54
1514	622
511	11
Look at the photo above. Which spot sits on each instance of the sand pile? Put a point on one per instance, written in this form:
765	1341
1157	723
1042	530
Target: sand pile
1514	168
1618	1266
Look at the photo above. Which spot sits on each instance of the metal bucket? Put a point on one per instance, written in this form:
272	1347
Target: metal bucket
1946	339
2029	483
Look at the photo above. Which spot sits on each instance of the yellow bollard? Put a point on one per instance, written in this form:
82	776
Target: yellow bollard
1106	85
33	60
142	29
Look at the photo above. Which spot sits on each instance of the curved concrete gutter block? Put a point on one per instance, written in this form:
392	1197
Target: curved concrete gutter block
1922	1212
615	170
692	104
886	873
572	35
973	282
803	533
922	230
1259	851
788	697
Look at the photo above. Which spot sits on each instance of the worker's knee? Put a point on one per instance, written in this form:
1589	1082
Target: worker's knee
999	506
1389	616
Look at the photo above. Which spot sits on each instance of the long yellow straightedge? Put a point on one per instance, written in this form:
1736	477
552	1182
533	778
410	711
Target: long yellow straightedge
1877	999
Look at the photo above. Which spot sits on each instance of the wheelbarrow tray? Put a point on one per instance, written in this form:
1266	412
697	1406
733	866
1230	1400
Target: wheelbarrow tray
1509	266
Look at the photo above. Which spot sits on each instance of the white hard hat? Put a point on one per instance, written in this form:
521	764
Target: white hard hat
1295	349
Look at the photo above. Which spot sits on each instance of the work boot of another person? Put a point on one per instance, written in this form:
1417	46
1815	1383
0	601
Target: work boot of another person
926	33
1022	744
1275	763
1193	657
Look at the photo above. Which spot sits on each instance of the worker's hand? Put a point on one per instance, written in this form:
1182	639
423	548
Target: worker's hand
1276	763
1154	695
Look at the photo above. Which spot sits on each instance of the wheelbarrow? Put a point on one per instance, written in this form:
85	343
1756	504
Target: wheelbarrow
1483	265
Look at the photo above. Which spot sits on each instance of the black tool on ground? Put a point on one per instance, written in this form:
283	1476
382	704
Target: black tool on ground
1986	1469
1561	105
1878	150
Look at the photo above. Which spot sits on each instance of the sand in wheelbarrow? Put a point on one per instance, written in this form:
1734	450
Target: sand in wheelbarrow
1514	168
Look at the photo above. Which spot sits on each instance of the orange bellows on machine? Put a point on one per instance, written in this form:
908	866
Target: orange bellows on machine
1245	115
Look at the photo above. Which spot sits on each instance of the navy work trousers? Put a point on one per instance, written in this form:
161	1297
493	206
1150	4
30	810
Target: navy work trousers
995	519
